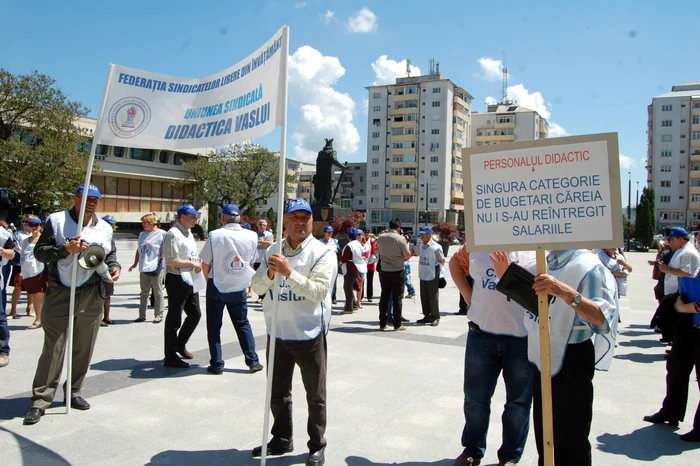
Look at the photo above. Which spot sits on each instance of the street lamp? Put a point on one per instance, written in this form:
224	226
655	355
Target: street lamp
629	208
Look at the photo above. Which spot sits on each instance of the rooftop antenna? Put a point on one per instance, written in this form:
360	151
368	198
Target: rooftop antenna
505	100
432	66
437	67
408	67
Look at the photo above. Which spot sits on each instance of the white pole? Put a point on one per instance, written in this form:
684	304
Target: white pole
81	215
282	190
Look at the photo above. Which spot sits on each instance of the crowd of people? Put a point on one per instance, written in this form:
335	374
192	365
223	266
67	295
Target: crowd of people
296	281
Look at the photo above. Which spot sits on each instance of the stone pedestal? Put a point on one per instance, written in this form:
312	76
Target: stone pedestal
323	215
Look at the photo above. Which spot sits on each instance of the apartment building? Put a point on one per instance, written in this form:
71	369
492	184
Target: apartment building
417	128
352	192
507	123
673	156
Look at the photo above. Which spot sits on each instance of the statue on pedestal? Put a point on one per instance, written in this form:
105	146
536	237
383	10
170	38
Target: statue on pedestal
323	179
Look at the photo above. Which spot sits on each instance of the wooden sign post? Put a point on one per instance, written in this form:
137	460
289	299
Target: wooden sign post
546	194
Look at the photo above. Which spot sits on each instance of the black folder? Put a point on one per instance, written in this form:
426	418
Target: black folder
516	283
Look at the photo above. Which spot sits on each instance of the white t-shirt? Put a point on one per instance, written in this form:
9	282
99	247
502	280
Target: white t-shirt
266	236
687	259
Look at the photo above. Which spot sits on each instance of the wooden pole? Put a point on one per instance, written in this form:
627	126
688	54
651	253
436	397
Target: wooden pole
545	367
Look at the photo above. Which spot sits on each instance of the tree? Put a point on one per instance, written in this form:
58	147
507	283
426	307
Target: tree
644	228
43	153
446	231
246	174
342	223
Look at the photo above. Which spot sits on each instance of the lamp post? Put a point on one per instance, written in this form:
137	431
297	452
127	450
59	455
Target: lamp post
629	208
426	202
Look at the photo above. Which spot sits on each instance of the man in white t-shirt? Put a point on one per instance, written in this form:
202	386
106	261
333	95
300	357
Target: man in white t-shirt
429	270
227	259
265	238
684	263
333	246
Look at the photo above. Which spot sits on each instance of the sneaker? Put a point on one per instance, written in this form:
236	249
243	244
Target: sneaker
4	360
401	329
464	460
256	367
335	302
259	301
410	295
158	320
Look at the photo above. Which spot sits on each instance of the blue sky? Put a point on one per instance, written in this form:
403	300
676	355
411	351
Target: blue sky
592	66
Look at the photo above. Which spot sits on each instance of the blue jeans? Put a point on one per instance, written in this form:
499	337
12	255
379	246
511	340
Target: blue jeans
237	306
486	356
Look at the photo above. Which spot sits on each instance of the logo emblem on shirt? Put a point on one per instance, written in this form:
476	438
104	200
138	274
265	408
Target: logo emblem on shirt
233	265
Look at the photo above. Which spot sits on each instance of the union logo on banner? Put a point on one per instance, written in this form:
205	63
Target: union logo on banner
128	117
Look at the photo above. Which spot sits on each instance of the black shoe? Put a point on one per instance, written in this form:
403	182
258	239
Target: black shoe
461	313
78	402
316	458
660	418
212	370
465	460
256	367
140	319
275	447
33	416
425	320
692	436
435	323
403	319
175	362
185	354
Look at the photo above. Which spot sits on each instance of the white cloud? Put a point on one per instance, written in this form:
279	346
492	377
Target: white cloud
627	162
491	70
300	5
556	130
386	71
363	21
323	112
365	106
327	17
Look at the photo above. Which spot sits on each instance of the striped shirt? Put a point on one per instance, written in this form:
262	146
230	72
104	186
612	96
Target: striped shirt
593	286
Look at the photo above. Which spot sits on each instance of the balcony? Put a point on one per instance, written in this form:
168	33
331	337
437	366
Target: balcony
404	124
402	111
694	174
404	151
504	138
397	192
694	205
402	178
404	137
648	163
402	205
695	157
510	125
404	164
695	190
403	97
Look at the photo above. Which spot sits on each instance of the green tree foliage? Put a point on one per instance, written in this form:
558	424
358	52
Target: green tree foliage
245	174
645	225
43	153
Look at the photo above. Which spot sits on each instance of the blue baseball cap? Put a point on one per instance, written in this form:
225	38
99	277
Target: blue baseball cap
109	220
425	230
187	209
354	231
677	232
298	204
328	229
34	220
231	209
92	191
246	226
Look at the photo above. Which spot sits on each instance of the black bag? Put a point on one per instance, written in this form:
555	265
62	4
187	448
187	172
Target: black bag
516	284
106	289
443	283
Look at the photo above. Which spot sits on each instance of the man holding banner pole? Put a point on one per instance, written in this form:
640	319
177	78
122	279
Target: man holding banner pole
585	310
302	302
60	240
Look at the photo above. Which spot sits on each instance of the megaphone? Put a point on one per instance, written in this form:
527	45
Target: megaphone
93	258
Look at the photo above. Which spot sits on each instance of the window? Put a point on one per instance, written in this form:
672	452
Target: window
667	123
410	117
696	135
411	90
436	90
433	200
666	138
377	122
375	161
403	145
375	174
434	145
375	187
694	198
377	108
119	152
434	131
436	103
375	147
375	134
433	173
409	198
696	120
665	183
696	104
666	108
665	198
457	147
397	131
434	158
163	157
666	153
682	136
142	154
410	130
377	95
696	215
665	168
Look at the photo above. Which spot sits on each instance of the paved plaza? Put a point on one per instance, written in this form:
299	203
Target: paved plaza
394	398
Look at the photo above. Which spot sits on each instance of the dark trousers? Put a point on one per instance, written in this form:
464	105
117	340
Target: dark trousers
685	354
369	284
181	297
54	322
393	284
429	294
237	305
311	357
348	281
572	407
4	328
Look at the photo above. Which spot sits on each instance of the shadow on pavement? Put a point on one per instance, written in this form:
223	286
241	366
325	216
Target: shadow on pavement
646	444
221	457
646	327
144	369
636	333
11	408
359	461
640	357
35	453
643	343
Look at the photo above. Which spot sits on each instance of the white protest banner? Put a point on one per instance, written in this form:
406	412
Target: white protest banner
561	193
243	102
